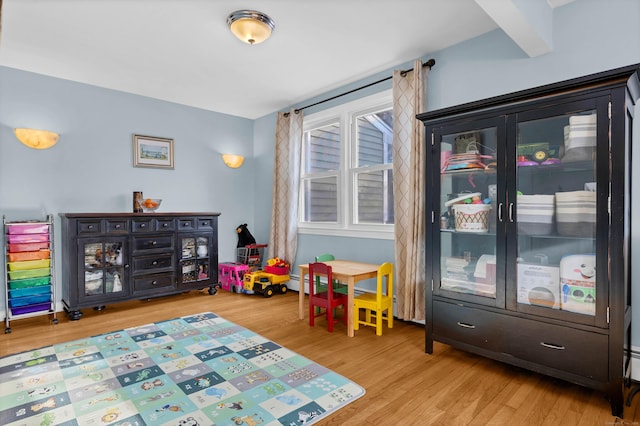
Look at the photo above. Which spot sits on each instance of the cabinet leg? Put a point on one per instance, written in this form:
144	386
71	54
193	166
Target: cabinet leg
213	290
74	315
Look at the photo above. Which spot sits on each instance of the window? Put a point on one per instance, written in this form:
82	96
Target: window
346	183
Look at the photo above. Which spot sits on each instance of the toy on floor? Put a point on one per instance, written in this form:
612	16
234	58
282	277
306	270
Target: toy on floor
264	283
272	280
230	276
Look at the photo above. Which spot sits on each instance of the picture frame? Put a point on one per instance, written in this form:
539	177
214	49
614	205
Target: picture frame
151	151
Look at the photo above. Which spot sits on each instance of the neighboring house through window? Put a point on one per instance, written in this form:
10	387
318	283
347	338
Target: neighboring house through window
346	175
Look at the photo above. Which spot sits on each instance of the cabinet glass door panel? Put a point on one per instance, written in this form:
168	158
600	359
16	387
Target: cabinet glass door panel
103	270
555	212
195	260
467	212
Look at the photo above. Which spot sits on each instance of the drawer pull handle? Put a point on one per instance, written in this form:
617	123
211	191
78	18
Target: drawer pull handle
154	282
462	324
118	226
90	226
551	346
164	225
142	225
205	223
155	262
153	243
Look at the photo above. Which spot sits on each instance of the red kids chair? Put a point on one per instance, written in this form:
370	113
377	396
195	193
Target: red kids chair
328	300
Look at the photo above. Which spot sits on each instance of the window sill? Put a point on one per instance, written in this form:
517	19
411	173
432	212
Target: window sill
365	232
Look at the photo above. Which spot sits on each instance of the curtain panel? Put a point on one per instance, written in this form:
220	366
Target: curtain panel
283	239
409	99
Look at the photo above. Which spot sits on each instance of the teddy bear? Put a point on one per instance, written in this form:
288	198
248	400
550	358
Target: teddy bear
244	236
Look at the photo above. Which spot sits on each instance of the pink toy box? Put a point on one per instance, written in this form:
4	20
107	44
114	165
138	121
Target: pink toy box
230	276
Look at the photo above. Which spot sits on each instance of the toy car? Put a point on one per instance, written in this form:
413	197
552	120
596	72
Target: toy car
265	283
230	276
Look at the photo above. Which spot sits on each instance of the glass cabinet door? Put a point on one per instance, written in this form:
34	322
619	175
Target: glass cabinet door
195	262
555	212
103	270
468	214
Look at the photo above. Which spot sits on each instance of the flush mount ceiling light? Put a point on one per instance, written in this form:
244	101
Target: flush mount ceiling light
37	139
250	26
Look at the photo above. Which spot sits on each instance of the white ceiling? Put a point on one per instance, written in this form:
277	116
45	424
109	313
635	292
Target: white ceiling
182	51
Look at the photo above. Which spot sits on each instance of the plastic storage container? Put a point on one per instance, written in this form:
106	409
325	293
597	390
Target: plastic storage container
29	255
28	228
27	238
29	264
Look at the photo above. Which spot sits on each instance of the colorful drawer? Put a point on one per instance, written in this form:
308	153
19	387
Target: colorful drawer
29	255
28	228
29	300
28	273
29	291
22	247
29	264
29	282
28	309
27	238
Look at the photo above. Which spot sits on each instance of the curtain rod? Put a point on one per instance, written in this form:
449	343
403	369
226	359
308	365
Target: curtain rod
430	63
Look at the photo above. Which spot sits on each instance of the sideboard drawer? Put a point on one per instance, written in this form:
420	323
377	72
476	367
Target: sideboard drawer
147	264
151	283
468	325
567	349
165	225
142	225
152	242
86	227
204	223
187	224
117	226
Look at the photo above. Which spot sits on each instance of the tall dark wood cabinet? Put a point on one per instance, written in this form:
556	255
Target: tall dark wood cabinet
528	229
113	257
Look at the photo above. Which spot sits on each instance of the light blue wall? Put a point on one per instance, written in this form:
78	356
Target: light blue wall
91	167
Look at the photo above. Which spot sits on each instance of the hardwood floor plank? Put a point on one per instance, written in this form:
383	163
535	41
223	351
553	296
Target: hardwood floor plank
403	384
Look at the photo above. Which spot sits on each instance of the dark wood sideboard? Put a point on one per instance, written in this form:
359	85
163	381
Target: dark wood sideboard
114	257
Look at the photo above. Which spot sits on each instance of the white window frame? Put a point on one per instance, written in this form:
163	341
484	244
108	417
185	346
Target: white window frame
346	225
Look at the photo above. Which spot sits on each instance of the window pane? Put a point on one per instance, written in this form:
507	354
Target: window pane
375	197
321	200
322	149
375	137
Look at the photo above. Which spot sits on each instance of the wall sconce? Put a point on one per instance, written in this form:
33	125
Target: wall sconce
233	160
250	26
36	139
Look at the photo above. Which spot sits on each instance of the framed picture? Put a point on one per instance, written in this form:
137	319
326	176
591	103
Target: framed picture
149	151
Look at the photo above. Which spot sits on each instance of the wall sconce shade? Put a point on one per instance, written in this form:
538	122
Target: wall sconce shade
250	26
36	139
233	160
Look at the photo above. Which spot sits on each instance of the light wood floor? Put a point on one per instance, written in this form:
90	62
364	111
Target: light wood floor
404	386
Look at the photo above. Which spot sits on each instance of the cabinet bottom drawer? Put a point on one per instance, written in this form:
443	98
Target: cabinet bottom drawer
150	283
563	348
468	325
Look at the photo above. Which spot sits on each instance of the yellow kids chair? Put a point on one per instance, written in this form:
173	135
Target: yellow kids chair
376	304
